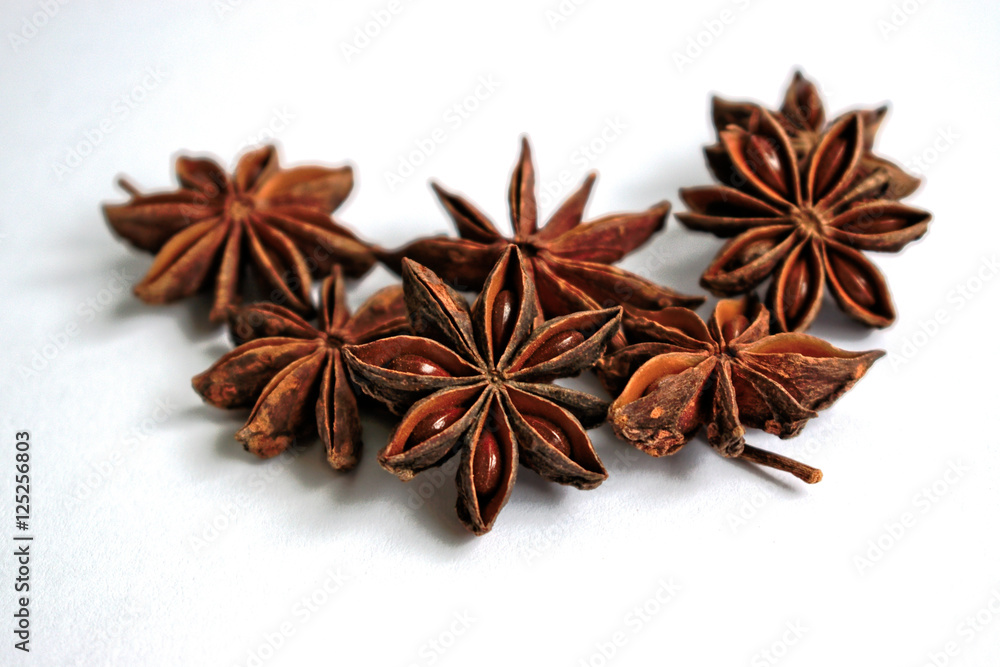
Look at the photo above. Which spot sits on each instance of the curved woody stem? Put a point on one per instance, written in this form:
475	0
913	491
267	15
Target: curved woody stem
806	473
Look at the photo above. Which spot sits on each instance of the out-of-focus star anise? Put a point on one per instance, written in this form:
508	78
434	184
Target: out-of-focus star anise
293	373
804	119
725	376
484	376
567	258
270	222
805	226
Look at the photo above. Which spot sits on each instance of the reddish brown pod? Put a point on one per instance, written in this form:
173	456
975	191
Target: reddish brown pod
292	374
725	377
804	224
477	383
569	259
270	222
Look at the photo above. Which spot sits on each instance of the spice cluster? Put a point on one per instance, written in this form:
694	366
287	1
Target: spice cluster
799	200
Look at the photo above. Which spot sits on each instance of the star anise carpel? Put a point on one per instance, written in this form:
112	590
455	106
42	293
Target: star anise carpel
293	374
805	224
803	117
263	222
478	381
726	376
569	259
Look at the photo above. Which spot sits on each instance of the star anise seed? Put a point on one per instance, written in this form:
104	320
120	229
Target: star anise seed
495	403
291	371
805	226
804	120
271	222
569	259
725	376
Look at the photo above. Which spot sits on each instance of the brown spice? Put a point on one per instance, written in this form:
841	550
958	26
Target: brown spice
273	221
804	225
568	258
726	376
290	371
494	402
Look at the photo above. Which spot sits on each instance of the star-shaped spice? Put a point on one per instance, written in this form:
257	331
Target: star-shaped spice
293	373
805	226
726	376
803	118
484	376
568	258
270	222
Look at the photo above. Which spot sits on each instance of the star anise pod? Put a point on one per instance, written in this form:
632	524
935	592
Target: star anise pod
804	119
726	376
290	371
270	222
806	227
484	376
567	258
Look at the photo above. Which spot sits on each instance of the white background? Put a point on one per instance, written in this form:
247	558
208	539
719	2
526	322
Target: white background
130	471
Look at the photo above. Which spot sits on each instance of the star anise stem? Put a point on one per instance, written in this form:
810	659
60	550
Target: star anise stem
128	186
762	457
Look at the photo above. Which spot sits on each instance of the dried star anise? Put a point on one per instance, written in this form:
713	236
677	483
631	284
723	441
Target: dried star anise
804	119
288	368
484	376
805	225
275	222
568	259
725	376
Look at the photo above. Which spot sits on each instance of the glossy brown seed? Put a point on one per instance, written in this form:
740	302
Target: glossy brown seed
551	433
417	365
764	161
796	292
486	466
734	327
751	252
504	318
830	164
433	424
874	225
857	287
553	347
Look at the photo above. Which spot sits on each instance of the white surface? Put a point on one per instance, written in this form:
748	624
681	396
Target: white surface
120	499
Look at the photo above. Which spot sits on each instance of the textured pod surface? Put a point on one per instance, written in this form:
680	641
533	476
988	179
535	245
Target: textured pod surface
486	394
799	200
274	222
568	258
744	378
294	374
